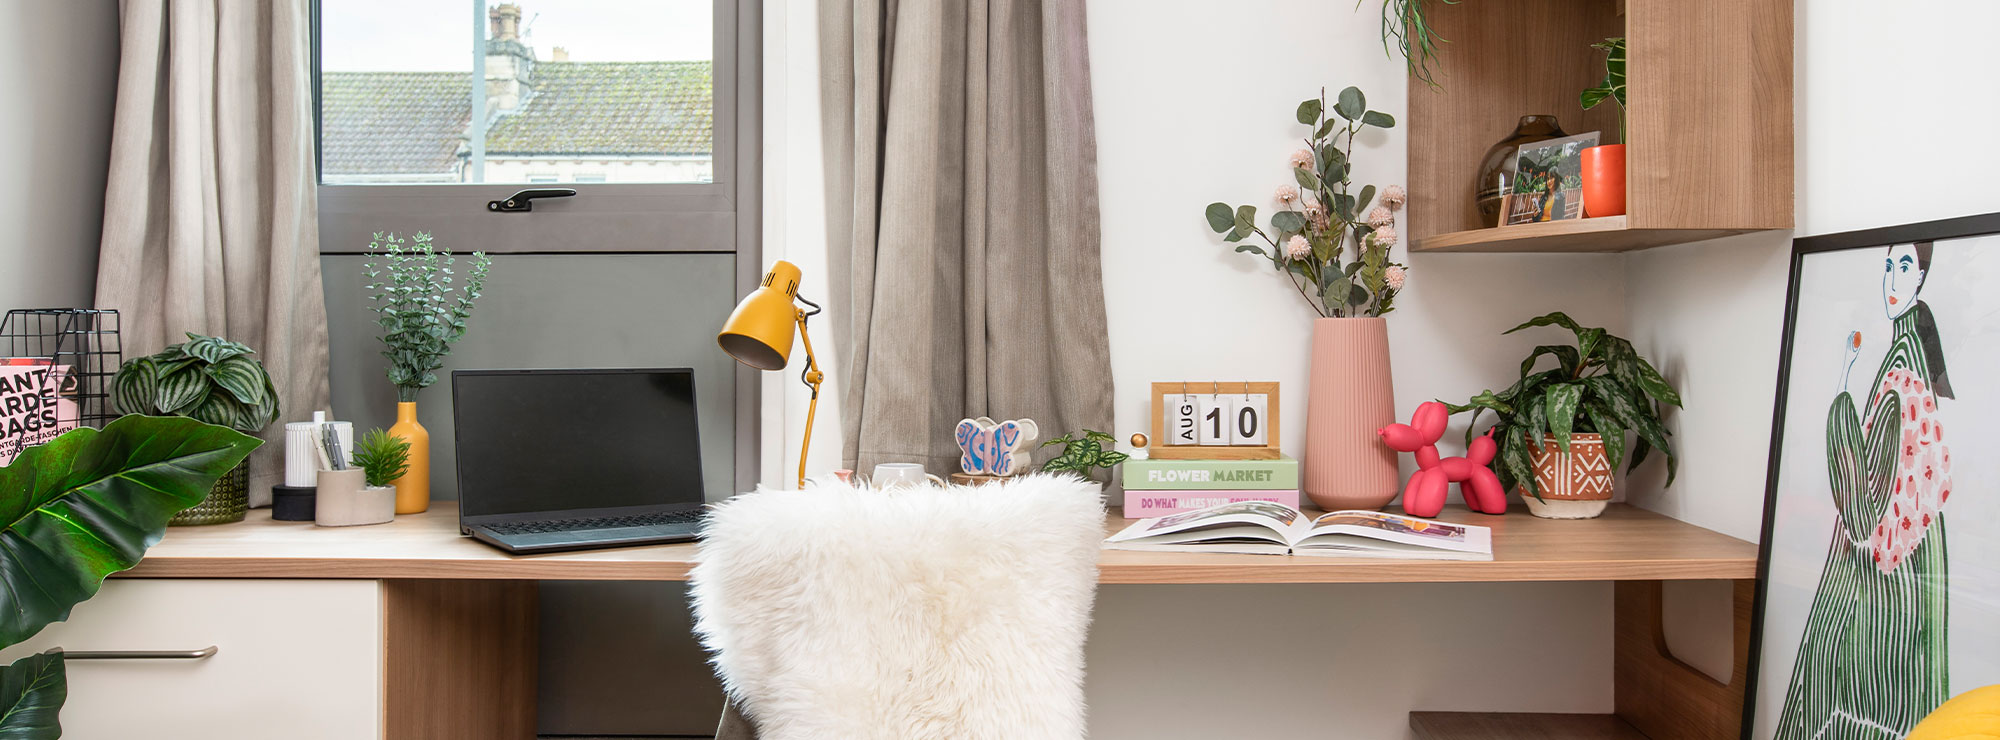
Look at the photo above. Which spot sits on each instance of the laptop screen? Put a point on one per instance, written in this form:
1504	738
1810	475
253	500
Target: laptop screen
549	440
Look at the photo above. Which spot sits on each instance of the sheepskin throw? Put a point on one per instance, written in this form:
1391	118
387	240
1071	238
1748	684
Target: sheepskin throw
926	613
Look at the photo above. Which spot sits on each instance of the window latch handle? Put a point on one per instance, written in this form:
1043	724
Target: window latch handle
523	201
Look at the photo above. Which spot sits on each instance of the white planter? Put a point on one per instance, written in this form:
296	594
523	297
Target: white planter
343	500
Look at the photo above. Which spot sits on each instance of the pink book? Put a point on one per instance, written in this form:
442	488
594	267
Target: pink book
1141	504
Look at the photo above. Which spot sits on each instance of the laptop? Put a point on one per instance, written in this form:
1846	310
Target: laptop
552	460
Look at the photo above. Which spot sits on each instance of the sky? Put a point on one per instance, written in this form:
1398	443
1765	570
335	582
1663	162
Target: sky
436	35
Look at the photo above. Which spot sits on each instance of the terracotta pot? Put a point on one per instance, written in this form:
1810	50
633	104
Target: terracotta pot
413	490
1574	486
1346	464
1604	181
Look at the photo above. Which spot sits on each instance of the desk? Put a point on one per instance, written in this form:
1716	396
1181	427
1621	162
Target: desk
459	625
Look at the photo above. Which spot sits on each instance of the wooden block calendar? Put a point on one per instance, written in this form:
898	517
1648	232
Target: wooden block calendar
1214	421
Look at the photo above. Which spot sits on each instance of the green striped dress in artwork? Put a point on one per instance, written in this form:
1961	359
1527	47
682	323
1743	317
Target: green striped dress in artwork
1872	661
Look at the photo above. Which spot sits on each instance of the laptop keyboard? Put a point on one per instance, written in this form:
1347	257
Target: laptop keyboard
602	522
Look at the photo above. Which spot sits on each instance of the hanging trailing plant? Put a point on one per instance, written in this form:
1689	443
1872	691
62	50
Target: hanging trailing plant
1406	28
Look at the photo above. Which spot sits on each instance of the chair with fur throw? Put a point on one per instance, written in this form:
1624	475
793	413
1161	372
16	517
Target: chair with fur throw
914	614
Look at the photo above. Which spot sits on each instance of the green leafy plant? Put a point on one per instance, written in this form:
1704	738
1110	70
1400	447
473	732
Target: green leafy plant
205	378
81	507
1406	28
1613	86
1082	453
416	308
382	458
1600	384
1310	240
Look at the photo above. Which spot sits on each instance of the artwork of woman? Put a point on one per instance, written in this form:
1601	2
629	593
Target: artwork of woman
1872	662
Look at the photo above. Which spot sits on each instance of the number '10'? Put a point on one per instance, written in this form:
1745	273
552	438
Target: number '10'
1246	422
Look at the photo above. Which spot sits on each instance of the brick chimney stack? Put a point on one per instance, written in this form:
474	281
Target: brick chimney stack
510	64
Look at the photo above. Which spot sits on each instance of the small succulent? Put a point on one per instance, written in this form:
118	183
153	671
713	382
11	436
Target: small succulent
382	458
1082	452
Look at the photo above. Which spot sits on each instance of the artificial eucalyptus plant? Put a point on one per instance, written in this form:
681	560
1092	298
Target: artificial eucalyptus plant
1600	384
1613	86
420	313
1082	453
1321	220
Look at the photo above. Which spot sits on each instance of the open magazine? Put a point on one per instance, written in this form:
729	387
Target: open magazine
1267	528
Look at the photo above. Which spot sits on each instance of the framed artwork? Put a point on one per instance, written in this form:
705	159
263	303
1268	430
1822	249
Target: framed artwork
1879	578
1548	181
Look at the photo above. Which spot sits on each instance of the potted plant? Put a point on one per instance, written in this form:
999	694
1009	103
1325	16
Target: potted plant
1561	431
421	316
81	507
365	494
207	379
1083	453
1604	165
1334	249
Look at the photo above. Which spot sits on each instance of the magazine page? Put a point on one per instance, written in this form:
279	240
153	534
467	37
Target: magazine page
1402	530
1256	520
33	409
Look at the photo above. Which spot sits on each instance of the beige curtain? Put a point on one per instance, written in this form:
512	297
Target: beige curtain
963	222
210	215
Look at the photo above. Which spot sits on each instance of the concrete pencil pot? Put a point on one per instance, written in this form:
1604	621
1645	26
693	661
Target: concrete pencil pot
344	501
1576	485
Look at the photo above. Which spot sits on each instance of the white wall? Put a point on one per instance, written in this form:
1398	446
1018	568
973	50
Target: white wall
58	73
1890	129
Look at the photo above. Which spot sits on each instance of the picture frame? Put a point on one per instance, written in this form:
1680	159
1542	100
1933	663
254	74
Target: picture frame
1854	550
1545	182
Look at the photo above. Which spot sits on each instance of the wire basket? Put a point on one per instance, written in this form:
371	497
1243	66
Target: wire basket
85	341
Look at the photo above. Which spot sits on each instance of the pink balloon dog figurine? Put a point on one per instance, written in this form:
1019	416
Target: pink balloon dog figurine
1424	496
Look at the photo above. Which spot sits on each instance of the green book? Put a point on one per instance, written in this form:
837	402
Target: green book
1212	475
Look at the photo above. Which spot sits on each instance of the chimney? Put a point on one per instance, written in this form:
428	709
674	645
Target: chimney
510	64
558	54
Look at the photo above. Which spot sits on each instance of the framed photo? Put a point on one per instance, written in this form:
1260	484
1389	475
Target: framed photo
1868	615
1547	181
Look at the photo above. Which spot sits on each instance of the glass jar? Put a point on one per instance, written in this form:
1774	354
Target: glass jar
1496	171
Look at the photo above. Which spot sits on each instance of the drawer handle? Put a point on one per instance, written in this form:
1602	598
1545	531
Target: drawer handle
202	654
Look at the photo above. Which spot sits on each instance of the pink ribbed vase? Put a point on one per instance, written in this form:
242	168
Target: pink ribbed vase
1347	466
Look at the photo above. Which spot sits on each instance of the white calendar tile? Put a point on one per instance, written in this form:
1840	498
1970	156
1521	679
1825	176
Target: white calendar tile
1213	426
1249	418
1181	422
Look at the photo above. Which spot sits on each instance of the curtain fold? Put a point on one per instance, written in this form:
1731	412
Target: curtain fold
211	210
962	218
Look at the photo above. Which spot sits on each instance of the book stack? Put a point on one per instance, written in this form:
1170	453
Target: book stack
1161	487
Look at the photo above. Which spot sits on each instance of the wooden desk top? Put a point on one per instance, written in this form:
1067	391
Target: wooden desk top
1627	543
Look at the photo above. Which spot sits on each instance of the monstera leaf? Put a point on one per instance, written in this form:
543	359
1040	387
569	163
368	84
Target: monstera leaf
81	508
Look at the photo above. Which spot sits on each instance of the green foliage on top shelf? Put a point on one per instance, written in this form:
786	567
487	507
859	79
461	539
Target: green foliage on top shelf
1600	384
1613	86
205	378
382	458
415	306
1406	28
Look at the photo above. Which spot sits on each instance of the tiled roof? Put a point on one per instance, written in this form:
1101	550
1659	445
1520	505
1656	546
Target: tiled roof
384	123
612	108
392	123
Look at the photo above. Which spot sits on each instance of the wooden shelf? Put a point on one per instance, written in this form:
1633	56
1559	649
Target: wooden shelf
1509	726
1626	544
1709	113
1609	234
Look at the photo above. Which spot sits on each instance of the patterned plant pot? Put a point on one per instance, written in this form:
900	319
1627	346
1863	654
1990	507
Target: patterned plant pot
1574	486
227	502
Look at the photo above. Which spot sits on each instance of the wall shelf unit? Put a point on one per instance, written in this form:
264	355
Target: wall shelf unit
1710	118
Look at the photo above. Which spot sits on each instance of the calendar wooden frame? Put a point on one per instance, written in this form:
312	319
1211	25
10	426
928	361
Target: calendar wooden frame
1157	448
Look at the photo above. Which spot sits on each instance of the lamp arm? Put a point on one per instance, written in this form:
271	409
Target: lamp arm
812	377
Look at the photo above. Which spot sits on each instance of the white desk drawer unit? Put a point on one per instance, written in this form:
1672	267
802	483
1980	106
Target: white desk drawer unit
294	659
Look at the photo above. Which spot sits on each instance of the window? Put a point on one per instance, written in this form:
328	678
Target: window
565	82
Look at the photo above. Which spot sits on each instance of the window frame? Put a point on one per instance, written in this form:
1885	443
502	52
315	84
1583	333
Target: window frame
721	216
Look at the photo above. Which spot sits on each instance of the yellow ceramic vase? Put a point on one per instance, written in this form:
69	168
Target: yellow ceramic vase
413	490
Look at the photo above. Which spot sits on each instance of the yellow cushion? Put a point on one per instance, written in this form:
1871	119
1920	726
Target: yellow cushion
1973	715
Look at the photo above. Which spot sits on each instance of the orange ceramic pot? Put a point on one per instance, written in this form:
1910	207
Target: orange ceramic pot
1576	485
1604	181
1346	464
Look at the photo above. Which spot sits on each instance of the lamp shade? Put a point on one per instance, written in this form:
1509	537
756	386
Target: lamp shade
759	332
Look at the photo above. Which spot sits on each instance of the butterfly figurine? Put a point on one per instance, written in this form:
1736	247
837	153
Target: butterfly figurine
987	447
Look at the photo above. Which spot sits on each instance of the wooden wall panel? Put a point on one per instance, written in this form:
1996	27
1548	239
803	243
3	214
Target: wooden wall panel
459	660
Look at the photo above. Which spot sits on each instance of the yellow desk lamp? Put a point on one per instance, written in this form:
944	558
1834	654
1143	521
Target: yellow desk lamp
759	334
